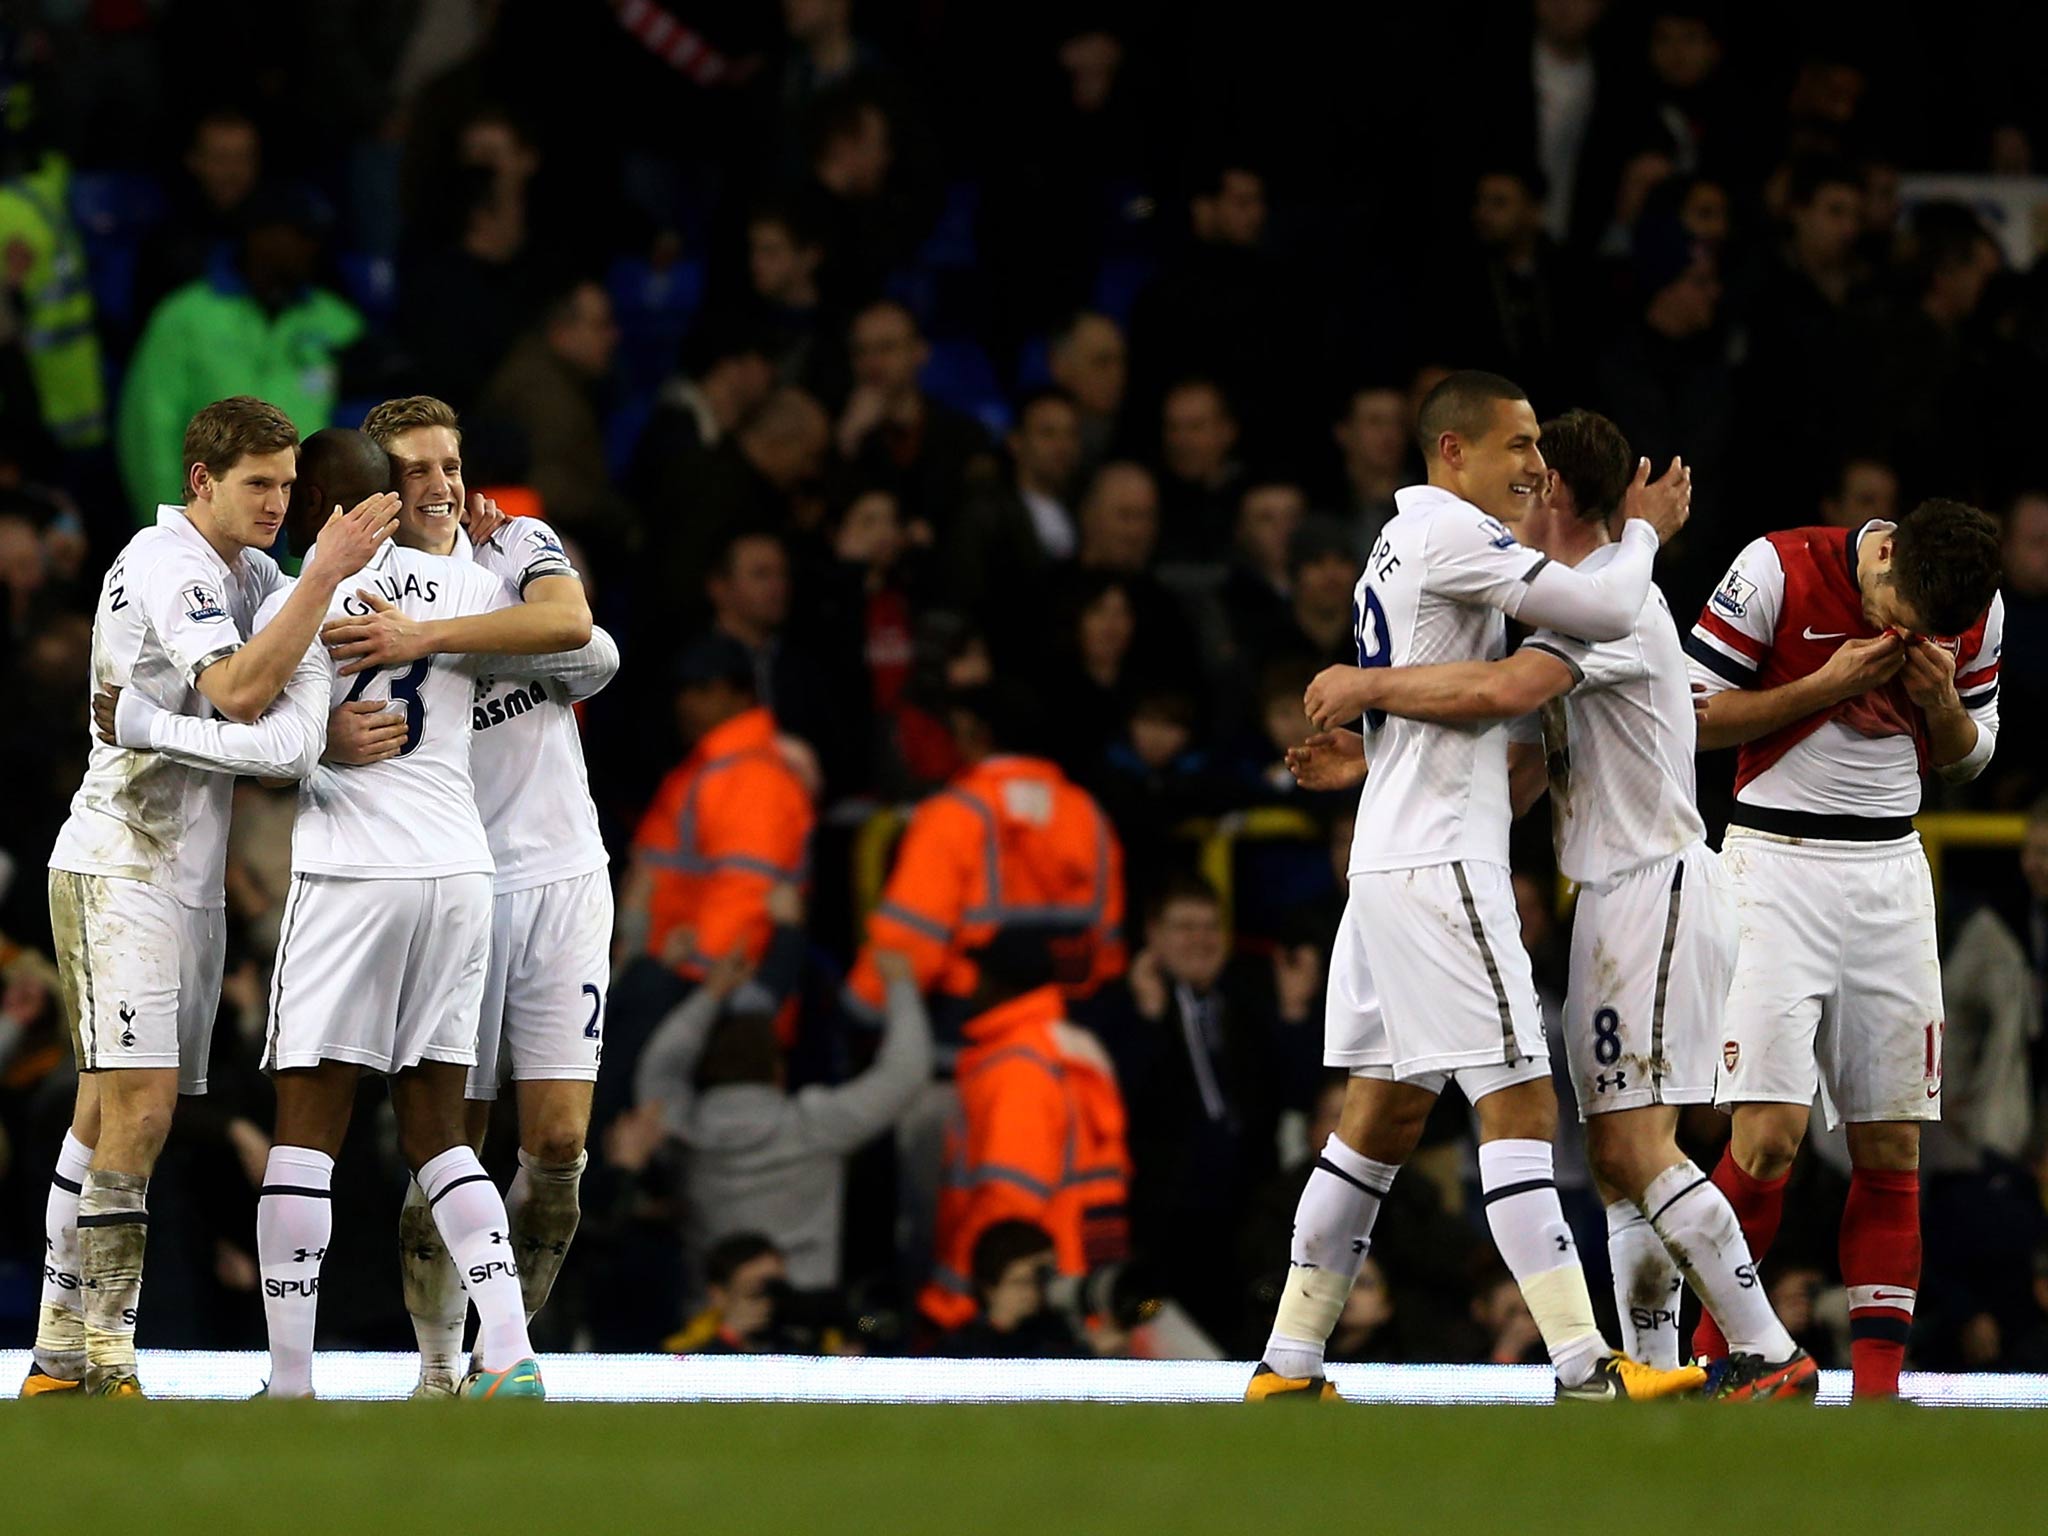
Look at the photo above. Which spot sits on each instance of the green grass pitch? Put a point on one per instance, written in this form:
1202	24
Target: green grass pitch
397	1468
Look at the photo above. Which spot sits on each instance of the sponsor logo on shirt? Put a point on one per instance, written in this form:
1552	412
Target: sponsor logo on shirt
203	604
1733	595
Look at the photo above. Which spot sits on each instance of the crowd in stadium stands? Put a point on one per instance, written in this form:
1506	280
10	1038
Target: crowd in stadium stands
1062	357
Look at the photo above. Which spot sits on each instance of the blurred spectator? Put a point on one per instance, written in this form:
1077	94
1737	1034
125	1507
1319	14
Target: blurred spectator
255	325
785	297
860	620
1925	372
1009	536
1008	841
744	1277
463	304
1322	568
549	386
1513	301
222	164
1866	489
2023	675
1040	1131
1562	82
1507	1332
1373	438
1196	1061
1222	310
1119	536
763	1159
46	296
1201	478
1014	1263
893	433
1666	379
729	823
749	590
1991	1007
1257	593
1088	359
1093	672
726	375
1800	325
761	477
870	208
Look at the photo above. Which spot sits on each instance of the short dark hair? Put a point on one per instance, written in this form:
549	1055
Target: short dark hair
1200	381
1944	235
1592	458
1812	172
726	555
793	219
1045	394
223	433
1945	562
729	1255
1003	1243
1463	403
742	1049
1177	887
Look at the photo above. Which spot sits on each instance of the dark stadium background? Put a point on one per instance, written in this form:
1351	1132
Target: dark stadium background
1796	244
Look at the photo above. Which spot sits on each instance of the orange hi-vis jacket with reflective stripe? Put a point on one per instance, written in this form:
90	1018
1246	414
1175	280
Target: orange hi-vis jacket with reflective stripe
1011	842
728	824
1039	1137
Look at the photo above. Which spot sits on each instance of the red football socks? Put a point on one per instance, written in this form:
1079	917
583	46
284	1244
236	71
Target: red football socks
1759	1206
1881	1269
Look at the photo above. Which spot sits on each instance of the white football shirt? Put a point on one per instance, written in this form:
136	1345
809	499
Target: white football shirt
168	609
1435	589
1620	745
414	816
532	787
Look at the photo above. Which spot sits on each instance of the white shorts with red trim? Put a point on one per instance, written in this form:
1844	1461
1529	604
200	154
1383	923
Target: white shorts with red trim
1838	980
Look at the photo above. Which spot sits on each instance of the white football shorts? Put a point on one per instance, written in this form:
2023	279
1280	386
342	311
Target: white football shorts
138	974
543	1008
382	973
1838	982
1653	952
1429	981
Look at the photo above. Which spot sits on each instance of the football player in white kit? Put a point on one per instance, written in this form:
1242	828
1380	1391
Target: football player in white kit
551	930
1845	664
1654	936
1431	920
385	941
136	878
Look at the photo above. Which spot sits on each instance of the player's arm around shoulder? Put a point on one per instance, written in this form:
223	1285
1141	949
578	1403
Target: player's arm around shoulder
243	685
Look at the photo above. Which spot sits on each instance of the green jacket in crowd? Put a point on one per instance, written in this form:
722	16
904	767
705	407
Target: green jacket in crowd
211	339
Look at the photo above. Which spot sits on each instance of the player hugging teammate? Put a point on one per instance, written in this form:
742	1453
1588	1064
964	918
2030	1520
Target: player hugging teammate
1845	664
383	963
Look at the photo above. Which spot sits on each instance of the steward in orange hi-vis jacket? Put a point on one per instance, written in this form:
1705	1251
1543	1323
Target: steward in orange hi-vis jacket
1039	1135
1010	843
729	823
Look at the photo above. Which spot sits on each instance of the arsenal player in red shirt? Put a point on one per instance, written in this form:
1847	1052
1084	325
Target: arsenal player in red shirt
1845	664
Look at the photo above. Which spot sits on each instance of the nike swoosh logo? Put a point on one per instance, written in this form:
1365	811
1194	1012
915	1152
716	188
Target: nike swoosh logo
1812	636
1891	1295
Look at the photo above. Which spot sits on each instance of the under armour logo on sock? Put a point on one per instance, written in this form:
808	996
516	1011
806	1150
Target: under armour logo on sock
1358	1245
1564	1242
300	1255
127	1018
498	1237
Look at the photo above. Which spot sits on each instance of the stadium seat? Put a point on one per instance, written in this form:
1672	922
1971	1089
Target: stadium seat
115	211
368	282
655	306
960	375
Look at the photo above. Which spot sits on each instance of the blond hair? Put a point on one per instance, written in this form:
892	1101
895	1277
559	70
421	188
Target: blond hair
387	422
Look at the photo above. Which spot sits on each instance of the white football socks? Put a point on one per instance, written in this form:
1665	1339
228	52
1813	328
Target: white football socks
1646	1287
60	1322
1701	1229
294	1220
471	1216
1332	1231
1537	1245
